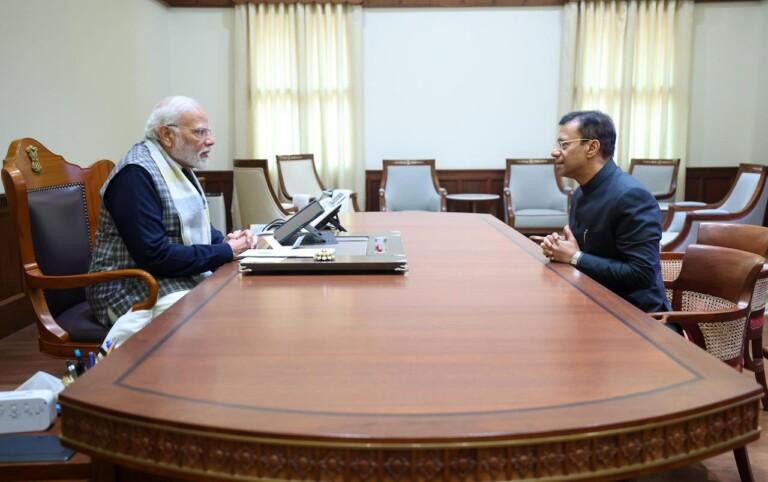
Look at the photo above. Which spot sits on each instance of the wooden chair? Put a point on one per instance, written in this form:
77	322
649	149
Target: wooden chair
745	203
411	185
711	299
54	206
535	201
297	174
256	198
659	176
753	239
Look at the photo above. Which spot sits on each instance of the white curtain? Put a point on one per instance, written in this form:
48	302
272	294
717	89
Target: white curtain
631	60
298	76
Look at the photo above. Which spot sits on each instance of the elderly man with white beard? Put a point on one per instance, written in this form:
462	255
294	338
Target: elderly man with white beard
154	216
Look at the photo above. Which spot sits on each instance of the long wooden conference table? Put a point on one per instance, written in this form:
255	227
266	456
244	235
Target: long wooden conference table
483	362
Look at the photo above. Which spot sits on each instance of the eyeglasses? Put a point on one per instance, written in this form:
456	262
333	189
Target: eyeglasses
563	145
199	132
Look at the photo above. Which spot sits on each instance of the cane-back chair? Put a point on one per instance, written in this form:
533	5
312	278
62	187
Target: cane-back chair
711	300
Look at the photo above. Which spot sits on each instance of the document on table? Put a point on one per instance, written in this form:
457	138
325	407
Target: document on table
279	253
261	259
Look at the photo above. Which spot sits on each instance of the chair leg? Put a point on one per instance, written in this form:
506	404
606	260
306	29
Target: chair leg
742	463
758	366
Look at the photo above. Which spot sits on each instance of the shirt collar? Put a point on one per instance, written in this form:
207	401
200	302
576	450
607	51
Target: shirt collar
604	173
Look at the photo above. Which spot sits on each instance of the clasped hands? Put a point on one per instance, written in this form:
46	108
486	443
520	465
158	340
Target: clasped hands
239	241
556	247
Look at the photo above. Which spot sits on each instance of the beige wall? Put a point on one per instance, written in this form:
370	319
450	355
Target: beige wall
85	73
81	75
759	149
200	66
726	86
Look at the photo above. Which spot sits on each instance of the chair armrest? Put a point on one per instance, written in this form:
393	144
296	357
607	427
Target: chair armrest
693	318
355	205
508	206
41	281
443	199
671	256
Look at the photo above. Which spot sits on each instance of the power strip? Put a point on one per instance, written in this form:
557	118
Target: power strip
26	410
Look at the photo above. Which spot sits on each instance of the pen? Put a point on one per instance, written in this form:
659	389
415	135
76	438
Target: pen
71	369
80	366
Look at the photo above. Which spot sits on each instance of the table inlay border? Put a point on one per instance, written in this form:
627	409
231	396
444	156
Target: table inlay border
508	233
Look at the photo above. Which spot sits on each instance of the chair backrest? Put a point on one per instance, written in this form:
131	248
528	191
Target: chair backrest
256	198
715	278
534	184
749	238
411	185
746	237
658	175
297	174
746	192
55	208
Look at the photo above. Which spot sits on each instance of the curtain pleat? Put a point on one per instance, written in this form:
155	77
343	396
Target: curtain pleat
301	70
632	60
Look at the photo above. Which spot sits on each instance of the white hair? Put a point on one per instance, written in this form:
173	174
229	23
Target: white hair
168	111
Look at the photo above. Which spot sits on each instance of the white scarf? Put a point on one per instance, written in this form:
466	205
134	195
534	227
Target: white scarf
190	204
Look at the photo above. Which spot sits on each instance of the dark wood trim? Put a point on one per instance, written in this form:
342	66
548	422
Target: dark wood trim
15	309
455	181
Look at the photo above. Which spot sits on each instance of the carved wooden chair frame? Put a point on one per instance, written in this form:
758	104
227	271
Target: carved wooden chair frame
29	166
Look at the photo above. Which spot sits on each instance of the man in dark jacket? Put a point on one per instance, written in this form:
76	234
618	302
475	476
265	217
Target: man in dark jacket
614	226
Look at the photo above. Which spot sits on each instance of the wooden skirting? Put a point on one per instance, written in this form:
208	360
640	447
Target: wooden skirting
455	181
15	309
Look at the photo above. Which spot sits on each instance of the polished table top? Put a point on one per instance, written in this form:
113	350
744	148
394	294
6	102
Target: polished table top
484	357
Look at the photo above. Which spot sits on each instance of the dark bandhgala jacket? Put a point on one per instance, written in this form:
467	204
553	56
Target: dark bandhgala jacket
617	224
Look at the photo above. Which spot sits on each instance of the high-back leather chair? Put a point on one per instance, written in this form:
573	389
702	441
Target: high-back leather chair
297	174
411	185
711	298
535	201
745	203
54	206
659	176
256	198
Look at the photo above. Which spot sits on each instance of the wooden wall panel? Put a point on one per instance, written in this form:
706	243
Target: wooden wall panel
486	181
15	309
708	184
